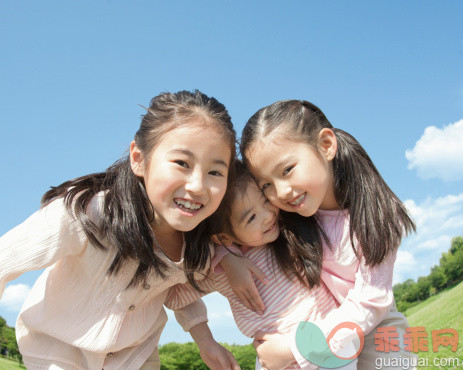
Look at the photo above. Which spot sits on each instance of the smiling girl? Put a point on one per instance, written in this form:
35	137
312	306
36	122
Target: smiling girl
113	243
354	222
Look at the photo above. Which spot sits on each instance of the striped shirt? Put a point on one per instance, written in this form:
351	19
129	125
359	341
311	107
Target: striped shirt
287	301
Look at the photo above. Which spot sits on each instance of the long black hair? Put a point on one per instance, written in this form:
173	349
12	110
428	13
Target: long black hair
378	219
127	212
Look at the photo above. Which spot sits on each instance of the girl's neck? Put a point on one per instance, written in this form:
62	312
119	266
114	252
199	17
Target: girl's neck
329	202
170	241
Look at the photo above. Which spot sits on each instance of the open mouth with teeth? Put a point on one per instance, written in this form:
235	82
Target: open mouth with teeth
297	201
188	205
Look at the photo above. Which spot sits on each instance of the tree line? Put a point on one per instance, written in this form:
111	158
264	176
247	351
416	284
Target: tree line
8	345
447	273
185	356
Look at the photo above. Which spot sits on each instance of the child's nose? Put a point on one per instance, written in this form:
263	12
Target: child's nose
195	183
283	190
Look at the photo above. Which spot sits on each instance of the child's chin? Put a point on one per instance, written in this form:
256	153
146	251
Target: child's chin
277	235
273	239
184	227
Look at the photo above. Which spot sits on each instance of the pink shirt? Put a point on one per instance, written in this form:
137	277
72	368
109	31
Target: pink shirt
76	314
287	301
364	292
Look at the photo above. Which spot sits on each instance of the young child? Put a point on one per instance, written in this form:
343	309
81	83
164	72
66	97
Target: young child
305	166
113	243
249	220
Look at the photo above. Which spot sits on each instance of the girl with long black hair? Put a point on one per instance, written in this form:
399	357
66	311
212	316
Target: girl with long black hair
113	243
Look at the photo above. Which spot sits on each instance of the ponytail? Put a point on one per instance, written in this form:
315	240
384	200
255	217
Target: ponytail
378	219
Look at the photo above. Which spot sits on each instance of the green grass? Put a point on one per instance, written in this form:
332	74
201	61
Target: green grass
9	365
444	310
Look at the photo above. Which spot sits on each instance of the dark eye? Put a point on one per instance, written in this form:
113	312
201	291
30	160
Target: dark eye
265	186
182	163
216	173
252	218
264	198
287	170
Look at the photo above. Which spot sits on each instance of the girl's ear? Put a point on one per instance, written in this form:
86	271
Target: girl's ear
222	239
327	143
136	160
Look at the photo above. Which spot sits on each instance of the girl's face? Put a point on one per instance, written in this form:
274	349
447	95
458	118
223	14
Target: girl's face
254	219
295	176
185	176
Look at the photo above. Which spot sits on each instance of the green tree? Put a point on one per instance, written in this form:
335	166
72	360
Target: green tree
8	341
456	245
185	356
453	266
438	278
422	287
399	291
245	355
181	356
449	272
3	342
411	291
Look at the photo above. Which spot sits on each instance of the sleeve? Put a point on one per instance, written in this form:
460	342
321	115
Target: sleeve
365	305
45	237
186	302
369	301
193	314
220	252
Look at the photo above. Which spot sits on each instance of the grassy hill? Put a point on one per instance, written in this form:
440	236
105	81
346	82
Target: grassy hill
444	310
6	364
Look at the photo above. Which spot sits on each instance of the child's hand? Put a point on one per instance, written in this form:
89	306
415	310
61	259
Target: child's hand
273	350
239	271
212	353
217	357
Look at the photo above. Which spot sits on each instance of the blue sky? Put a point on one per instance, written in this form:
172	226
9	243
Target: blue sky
388	72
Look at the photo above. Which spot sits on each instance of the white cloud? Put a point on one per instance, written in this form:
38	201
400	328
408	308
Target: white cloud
438	220
14	296
220	315
439	153
404	264
436	215
435	243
